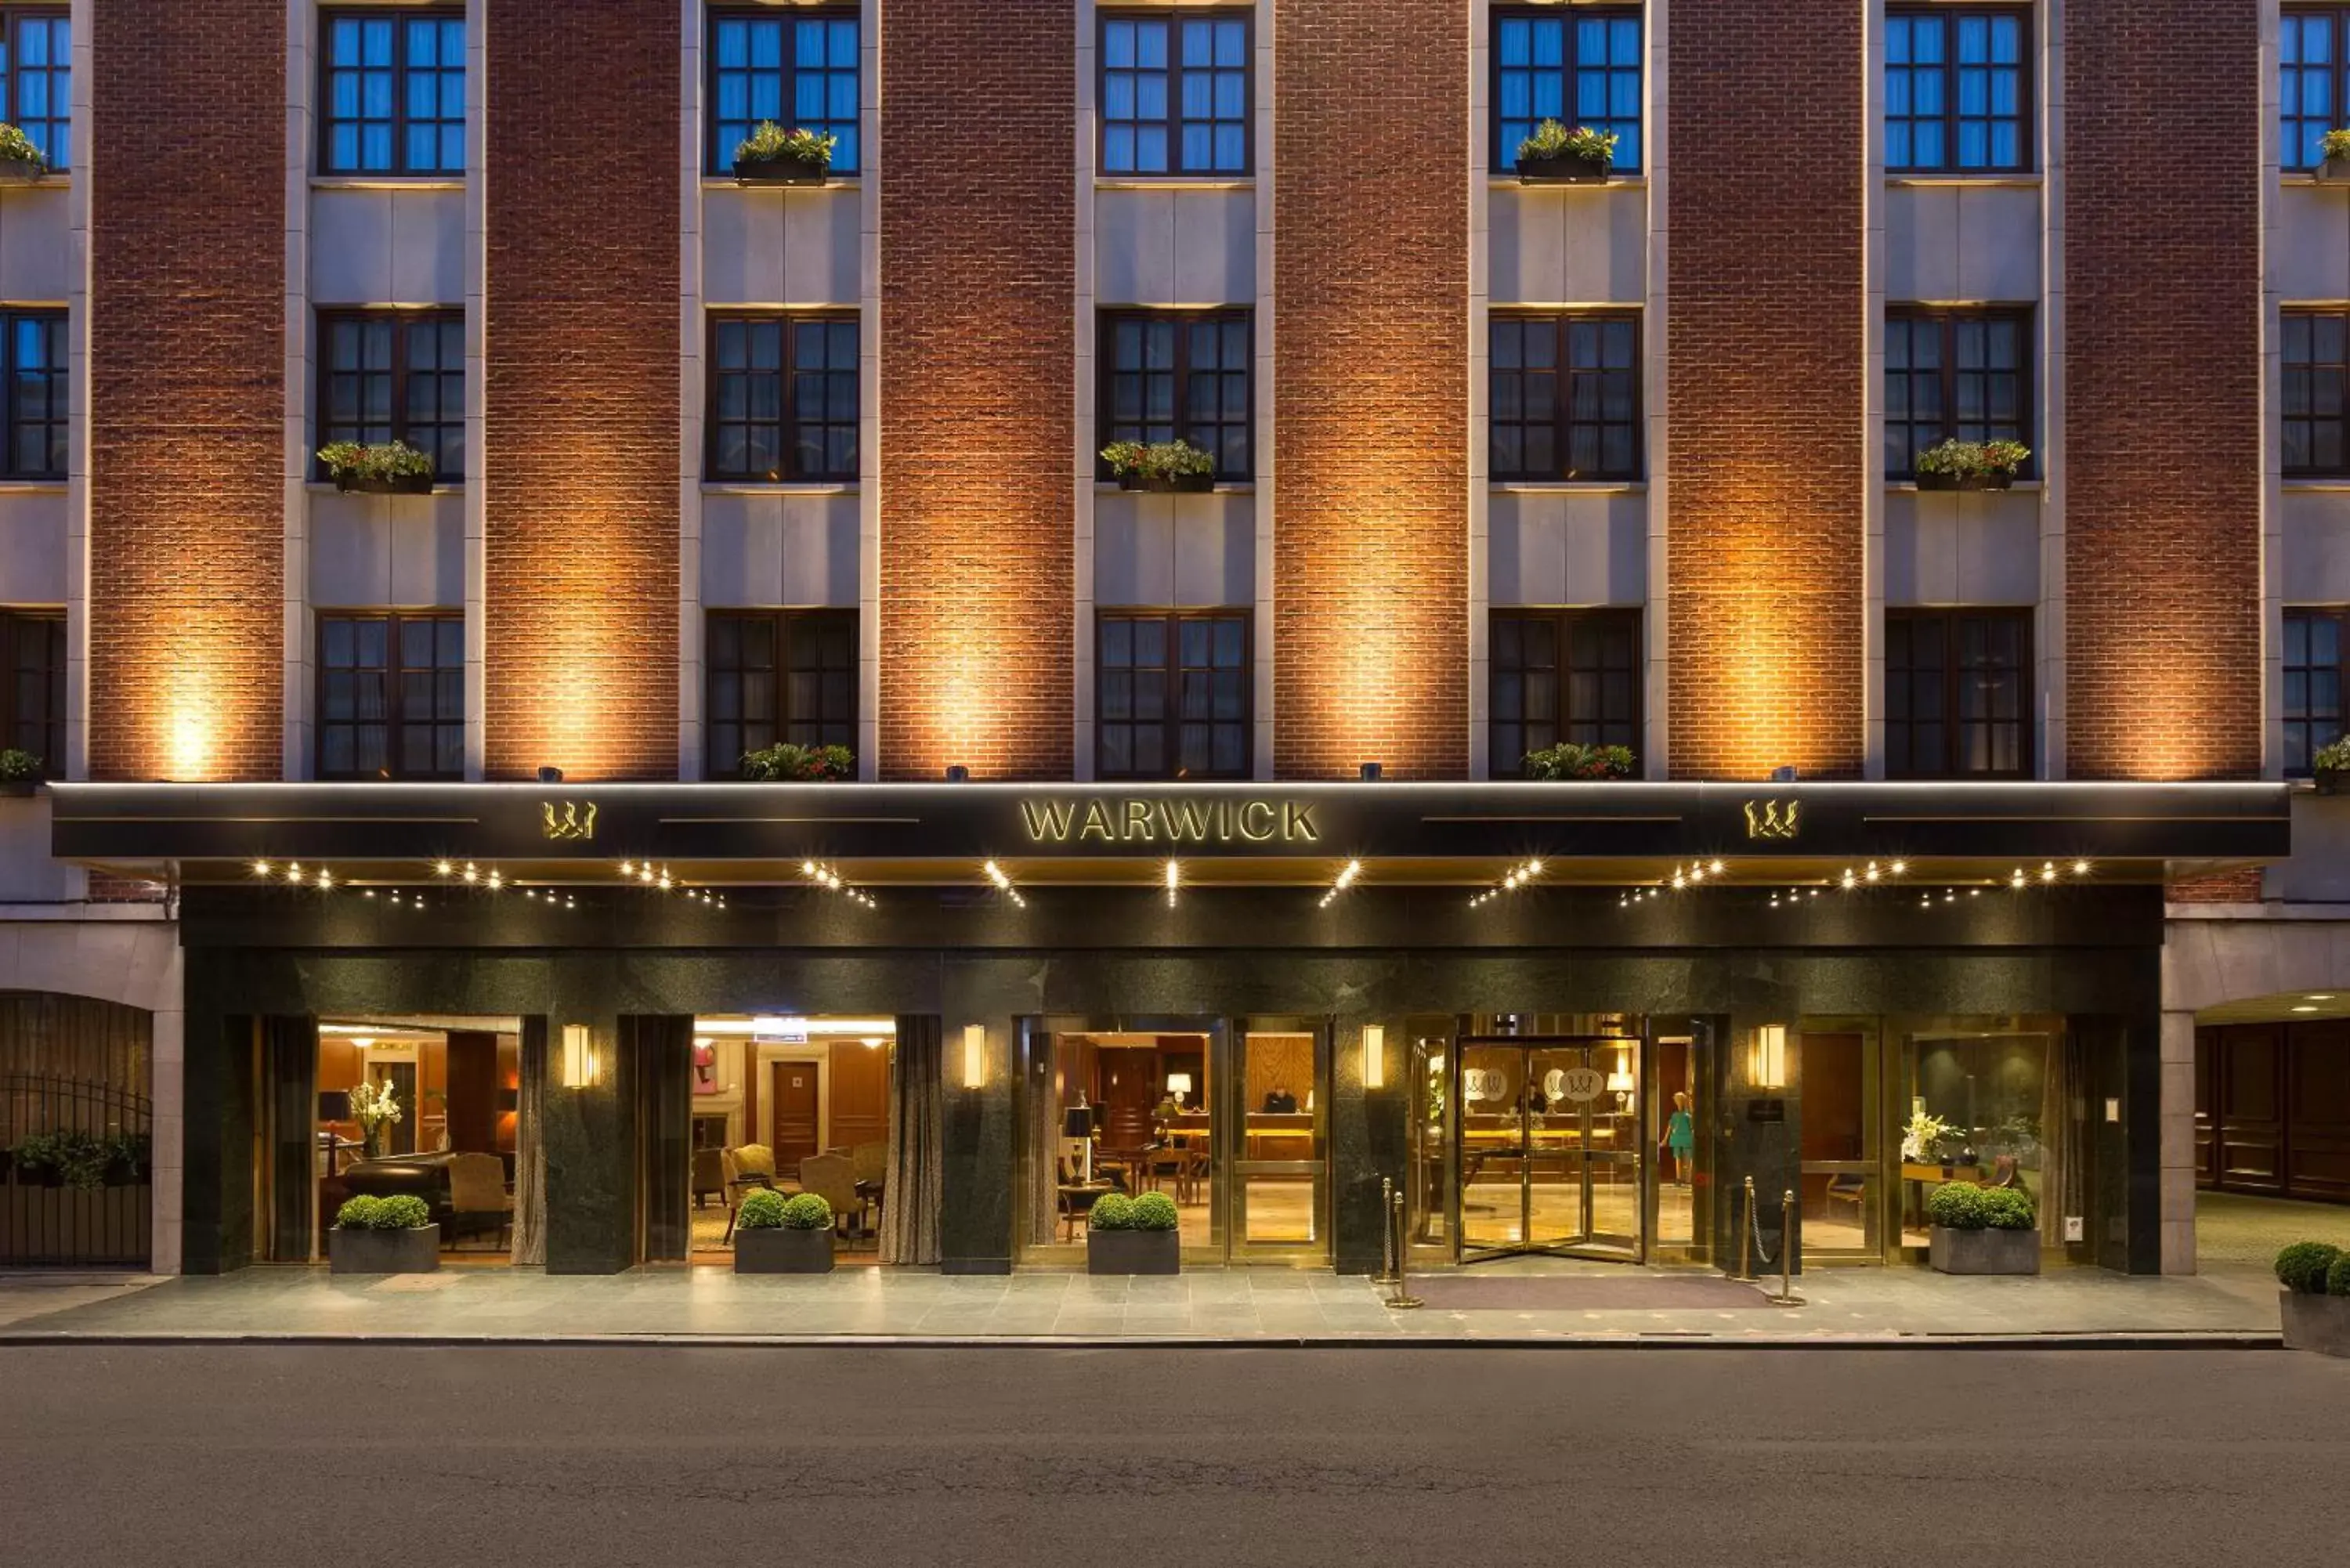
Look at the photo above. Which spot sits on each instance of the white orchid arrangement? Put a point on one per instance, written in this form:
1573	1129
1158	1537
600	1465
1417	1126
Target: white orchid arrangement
1923	1136
372	1105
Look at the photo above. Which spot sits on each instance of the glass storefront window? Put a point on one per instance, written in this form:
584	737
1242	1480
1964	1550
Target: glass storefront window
1977	1107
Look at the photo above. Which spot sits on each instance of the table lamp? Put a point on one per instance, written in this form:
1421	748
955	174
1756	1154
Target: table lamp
1178	1084
1077	1125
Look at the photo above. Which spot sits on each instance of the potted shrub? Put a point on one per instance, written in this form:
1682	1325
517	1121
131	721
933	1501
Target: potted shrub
2334	166
1554	155
21	162
773	156
1133	1235
20	771
778	1235
1161	467
1971	465
788	763
1983	1229
1570	761
2314	1305
384	1236
385	468
2332	766
65	1156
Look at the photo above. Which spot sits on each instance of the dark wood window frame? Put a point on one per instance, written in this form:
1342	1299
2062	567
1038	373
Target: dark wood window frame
2314	720
402	319
1505	143
2303	379
1955	726
1949	319
1183	320
1563	420
1172	717
724	762
2295	152
43	733
791	471
55	422
327	120
396	721
2026	157
43	129
1174	18
1565	721
718	148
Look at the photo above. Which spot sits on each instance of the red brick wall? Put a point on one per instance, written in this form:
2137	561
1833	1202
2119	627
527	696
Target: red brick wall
2241	886
1370	574
187	398
1764	388
582	404
978	386
2162	430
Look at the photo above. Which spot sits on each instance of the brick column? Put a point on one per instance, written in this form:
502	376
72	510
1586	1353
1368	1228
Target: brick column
978	387
1764	545
1370	344
2162	434
581	408
187	402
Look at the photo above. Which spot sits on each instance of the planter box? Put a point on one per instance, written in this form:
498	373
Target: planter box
780	171
1985	1251
1566	169
782	1252
1134	1252
15	173
1972	482
2332	781
411	1252
2333	172
403	484
1182	485
18	788
2321	1324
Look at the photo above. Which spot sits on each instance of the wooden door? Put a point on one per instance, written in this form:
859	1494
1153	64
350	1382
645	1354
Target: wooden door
861	1095
796	1108
1127	1093
2207	1134
2250	1086
2317	1114
402	1077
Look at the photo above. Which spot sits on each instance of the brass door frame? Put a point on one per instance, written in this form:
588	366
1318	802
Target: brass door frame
1585	1244
1876	1114
1229	1164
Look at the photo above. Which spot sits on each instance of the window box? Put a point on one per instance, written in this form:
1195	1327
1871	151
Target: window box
2333	172
782	171
1985	1251
1562	168
384	485
1134	1252
1168	484
414	1250
18	789
783	1251
2332	781
1966	482
15	171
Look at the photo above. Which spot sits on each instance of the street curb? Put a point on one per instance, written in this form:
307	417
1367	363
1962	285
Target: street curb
1644	1341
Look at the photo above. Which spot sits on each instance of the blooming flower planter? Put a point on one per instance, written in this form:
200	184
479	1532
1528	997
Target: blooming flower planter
1966	482
2321	1324
416	1251
1957	1252
1134	1252
1562	168
780	171
395	484
1168	484
782	1252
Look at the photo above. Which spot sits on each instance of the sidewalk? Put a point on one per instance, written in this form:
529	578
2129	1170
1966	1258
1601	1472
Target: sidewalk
1852	1306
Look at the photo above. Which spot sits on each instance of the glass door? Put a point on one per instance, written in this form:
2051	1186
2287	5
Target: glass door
1275	1141
1841	1171
1550	1149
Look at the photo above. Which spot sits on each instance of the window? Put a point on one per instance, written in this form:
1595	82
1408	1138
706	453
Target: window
1169	375
396	375
1565	400
1955	91
1952	375
790	65
1538	54
36	394
36	80
1171	695
2310	82
394	94
1562	676
783	398
2313	645
392	696
778	675
33	704
1958	691
1175	93
2316	382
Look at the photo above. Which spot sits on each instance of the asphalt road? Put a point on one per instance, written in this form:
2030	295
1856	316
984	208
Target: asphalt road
351	1455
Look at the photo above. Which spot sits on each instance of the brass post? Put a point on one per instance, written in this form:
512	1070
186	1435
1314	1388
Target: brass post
1787	1296
1388	1242
1746	1237
1403	1300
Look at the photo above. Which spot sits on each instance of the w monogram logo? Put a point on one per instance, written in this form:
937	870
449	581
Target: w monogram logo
1772	818
571	822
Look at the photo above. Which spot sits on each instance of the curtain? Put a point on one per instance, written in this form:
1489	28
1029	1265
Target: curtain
2063	1139
917	1181
530	1149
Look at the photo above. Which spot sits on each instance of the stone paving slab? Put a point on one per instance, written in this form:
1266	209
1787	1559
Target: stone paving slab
1235	1307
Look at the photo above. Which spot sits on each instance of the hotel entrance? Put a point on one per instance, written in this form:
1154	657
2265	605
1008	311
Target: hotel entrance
1551	1148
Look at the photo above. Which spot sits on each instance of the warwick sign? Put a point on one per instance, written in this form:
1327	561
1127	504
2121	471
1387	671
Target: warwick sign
1180	820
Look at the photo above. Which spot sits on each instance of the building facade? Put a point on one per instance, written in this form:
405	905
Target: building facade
1978	803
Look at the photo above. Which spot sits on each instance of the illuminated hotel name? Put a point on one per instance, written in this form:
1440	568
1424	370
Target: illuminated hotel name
1126	821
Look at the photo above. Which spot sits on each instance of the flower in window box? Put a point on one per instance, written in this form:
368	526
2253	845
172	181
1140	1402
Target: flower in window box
2332	766
2334	166
384	468
1162	466
773	156
1971	465
787	764
21	162
1570	761
1554	155
20	771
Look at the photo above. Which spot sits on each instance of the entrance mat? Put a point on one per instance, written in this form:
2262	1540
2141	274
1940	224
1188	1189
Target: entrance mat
1583	1292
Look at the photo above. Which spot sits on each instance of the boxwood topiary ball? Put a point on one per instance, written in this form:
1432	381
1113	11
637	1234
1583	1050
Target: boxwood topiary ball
1959	1206
405	1212
807	1211
2004	1208
1111	1211
762	1211
2302	1267
1155	1211
358	1213
2337	1276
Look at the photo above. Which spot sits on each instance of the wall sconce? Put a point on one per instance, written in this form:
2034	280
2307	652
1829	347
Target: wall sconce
975	1055
1374	1056
1766	1064
580	1068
